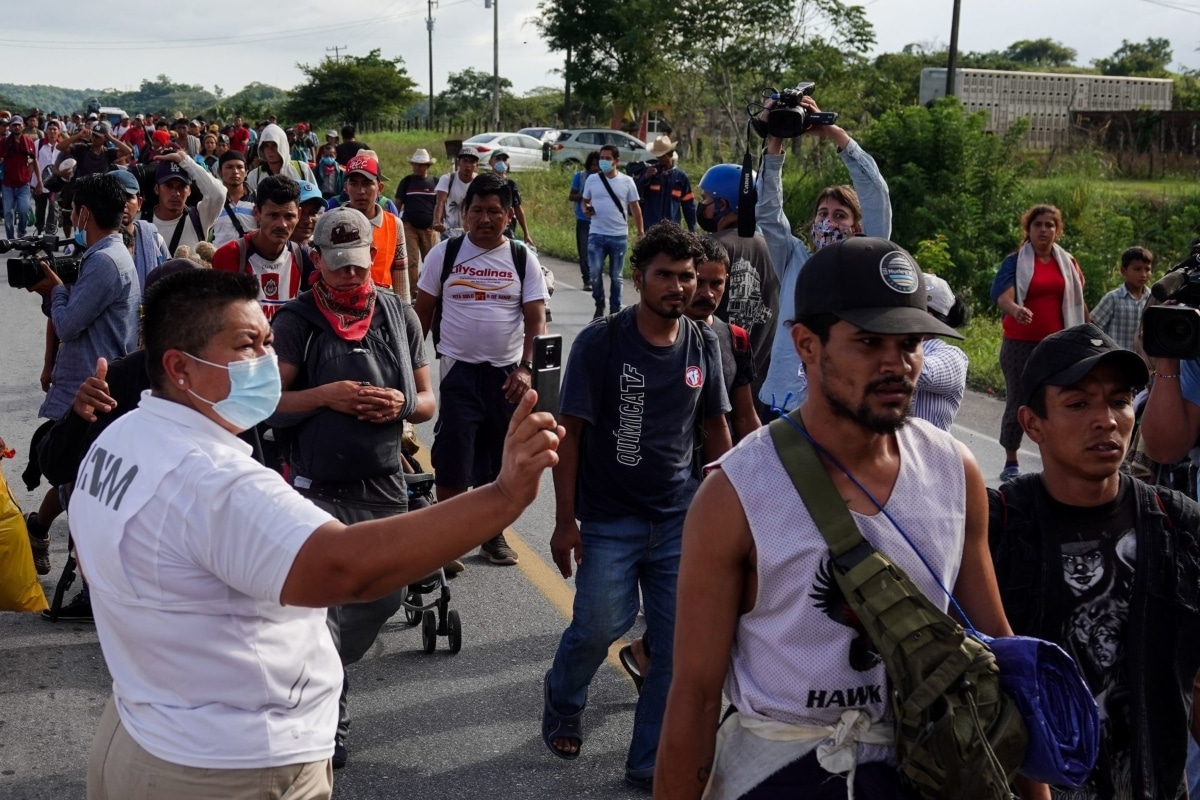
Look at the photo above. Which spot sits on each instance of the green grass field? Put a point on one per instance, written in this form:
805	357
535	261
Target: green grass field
552	223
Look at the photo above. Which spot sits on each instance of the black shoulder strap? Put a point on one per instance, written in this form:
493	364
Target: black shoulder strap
194	213
612	194
453	247
520	257
177	235
237	224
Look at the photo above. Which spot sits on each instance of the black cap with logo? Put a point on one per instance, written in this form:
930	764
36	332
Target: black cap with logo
871	283
1066	357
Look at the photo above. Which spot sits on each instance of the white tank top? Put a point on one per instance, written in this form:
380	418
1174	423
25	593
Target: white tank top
798	656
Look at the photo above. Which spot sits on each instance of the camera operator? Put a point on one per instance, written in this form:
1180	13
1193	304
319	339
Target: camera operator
840	212
1171	420
95	318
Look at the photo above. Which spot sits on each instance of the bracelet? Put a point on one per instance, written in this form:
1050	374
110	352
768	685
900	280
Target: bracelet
1167	377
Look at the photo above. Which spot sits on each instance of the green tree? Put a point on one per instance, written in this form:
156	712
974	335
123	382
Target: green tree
352	89
1041	53
1148	58
947	176
469	93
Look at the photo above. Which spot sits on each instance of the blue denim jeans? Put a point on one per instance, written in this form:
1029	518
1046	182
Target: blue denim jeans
16	204
619	556
599	246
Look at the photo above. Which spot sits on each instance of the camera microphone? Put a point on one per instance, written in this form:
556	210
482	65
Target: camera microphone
747	198
1169	284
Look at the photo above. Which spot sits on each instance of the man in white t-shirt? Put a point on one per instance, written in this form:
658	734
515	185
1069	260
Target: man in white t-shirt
179	223
268	254
236	218
210	576
492	297
452	193
610	198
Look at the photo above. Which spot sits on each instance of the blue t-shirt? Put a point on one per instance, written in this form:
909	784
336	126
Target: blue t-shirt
637	455
577	186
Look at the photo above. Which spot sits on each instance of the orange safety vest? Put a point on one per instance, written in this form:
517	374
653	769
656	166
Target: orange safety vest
384	239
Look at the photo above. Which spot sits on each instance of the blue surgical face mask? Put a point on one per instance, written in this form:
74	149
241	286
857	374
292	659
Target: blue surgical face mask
605	166
254	391
500	167
80	235
328	161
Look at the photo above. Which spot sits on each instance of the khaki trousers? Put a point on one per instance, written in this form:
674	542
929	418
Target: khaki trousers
418	242
120	769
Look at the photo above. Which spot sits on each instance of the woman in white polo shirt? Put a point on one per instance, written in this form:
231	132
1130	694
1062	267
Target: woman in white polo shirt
210	575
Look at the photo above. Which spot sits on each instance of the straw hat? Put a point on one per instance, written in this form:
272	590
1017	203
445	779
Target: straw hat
421	156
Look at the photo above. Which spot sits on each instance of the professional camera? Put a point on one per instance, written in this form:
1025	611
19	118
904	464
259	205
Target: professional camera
25	271
787	119
1174	331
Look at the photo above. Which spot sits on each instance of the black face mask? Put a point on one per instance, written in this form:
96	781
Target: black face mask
708	224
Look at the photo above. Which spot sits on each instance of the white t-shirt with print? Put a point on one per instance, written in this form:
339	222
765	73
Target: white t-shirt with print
608	220
186	542
483	310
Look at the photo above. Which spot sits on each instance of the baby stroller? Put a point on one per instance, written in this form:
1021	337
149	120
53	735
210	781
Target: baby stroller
435	616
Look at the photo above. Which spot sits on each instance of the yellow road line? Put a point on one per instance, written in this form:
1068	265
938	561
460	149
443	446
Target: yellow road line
547	580
543	575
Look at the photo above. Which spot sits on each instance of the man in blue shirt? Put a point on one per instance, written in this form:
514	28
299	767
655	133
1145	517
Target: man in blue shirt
95	318
665	190
643	405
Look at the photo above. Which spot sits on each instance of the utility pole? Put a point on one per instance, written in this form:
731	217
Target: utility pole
429	27
495	64
337	52
567	91
952	63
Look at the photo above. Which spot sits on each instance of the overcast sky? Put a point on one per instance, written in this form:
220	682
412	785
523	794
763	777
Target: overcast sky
200	43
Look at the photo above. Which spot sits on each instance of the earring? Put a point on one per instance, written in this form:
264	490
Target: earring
181	381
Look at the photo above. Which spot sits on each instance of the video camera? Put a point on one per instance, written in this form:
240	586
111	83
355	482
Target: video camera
787	118
1174	331
25	271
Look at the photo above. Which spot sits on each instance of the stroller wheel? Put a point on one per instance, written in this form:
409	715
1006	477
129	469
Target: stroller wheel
429	631
411	616
454	631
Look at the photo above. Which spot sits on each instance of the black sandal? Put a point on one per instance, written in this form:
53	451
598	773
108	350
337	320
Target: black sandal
629	662
560	726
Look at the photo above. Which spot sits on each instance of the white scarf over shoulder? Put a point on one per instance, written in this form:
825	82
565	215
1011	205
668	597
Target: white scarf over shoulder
1072	302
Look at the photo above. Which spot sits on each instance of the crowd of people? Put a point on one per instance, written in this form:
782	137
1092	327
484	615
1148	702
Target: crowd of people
228	432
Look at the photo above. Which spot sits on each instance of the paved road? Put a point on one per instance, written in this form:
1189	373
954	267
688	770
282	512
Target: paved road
436	726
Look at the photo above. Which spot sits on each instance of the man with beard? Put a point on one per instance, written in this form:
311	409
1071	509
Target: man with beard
758	611
644	407
1102	563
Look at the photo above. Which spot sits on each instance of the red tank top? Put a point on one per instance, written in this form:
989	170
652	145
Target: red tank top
1044	298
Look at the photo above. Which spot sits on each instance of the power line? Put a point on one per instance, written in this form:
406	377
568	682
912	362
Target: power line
337	52
1174	6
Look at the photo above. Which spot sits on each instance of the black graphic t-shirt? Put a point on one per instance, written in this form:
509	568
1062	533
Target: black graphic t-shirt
1098	556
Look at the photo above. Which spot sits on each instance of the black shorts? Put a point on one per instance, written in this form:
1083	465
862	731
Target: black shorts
473	416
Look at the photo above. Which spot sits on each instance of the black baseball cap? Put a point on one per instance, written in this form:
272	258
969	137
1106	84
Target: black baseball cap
1066	357
871	283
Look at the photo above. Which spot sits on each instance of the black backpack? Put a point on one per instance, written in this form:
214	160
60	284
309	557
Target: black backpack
519	258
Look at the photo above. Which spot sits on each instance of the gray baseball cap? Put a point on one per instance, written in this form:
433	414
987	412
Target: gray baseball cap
344	236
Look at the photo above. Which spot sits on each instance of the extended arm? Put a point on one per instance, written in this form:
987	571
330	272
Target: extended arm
1170	421
944	372
213	191
976	589
717	554
566	545
635	211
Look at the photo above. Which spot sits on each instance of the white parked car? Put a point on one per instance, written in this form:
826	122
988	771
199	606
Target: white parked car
574	145
541	134
524	152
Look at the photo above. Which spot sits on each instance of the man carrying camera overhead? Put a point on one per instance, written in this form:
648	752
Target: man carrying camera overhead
665	190
95	318
840	212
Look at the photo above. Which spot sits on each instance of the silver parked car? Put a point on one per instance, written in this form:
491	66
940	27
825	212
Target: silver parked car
524	152
574	145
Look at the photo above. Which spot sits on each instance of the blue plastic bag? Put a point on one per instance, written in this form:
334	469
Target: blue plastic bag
1057	705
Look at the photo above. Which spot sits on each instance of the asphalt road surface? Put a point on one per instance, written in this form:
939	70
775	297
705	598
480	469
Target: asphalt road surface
428	726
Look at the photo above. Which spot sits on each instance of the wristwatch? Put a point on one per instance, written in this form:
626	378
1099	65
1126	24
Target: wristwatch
526	363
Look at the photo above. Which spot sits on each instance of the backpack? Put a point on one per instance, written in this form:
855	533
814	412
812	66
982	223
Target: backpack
957	734
453	247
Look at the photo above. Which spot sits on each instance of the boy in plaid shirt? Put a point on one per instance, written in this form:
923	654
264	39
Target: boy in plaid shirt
1119	312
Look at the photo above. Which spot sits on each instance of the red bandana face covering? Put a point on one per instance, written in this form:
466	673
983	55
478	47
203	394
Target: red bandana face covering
348	310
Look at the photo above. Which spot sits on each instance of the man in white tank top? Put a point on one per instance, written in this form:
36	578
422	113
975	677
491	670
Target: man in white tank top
759	612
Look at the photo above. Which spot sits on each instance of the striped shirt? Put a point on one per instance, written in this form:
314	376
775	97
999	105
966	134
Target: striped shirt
941	385
1118	314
